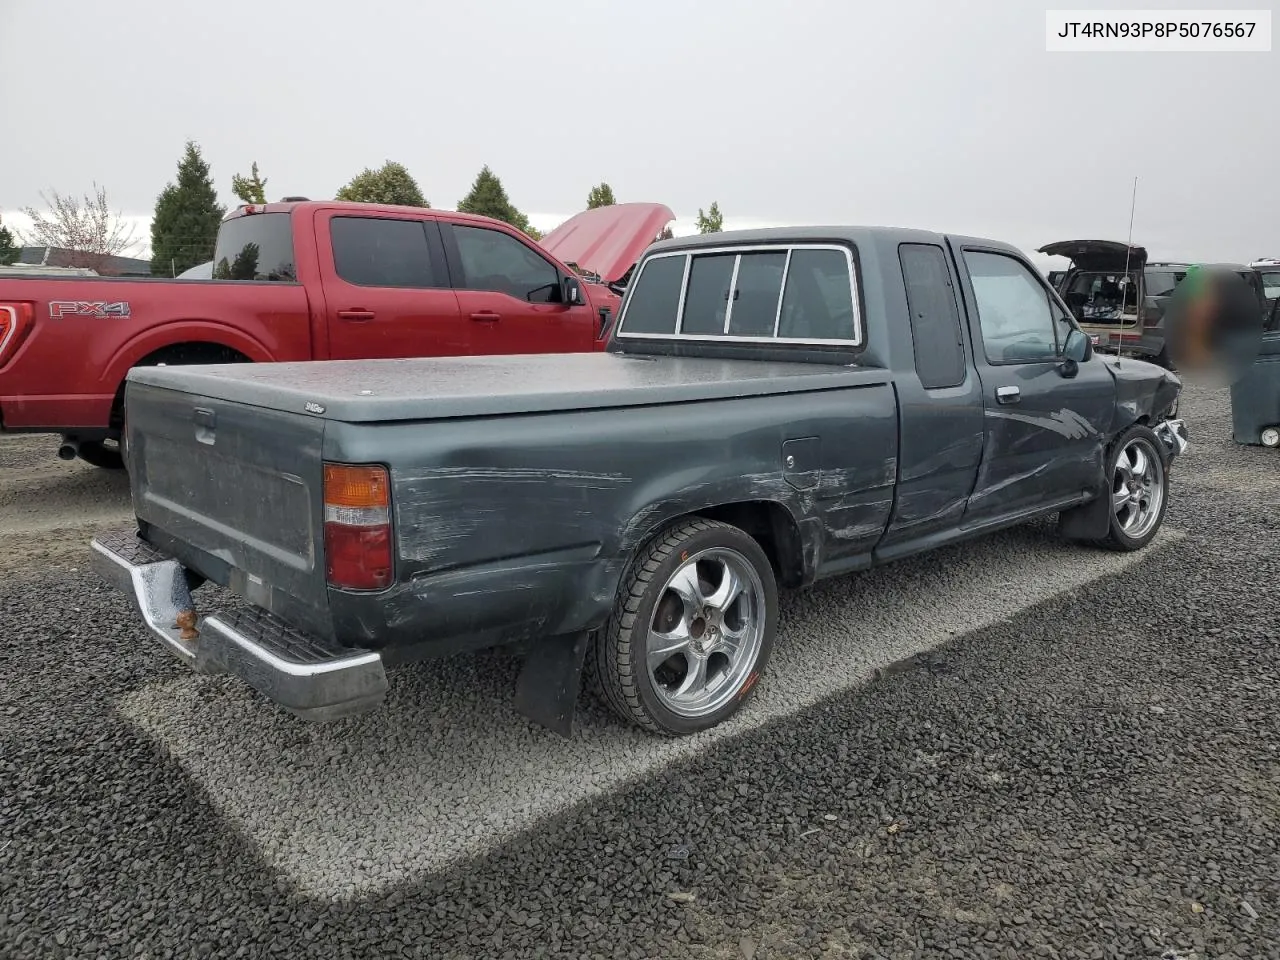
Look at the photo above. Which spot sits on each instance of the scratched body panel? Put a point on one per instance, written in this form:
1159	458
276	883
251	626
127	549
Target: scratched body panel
523	525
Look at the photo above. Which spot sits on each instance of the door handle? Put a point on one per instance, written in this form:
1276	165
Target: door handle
1008	394
355	316
486	316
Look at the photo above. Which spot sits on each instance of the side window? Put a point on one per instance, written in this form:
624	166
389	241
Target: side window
654	300
371	252
818	301
1014	309
935	316
492	260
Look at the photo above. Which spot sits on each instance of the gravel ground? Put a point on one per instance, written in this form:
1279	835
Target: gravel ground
1082	759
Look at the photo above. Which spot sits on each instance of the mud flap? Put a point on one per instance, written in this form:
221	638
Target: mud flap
1089	521
550	680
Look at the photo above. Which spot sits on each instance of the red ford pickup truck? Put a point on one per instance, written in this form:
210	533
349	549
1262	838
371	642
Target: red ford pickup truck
312	280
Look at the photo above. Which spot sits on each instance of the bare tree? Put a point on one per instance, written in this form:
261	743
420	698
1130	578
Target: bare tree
85	227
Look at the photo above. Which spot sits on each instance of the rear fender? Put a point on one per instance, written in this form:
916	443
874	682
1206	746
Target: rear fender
176	332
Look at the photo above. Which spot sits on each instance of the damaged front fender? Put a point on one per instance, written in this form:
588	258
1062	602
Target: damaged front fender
1144	392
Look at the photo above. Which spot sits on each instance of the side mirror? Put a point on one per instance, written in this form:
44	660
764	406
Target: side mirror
573	292
1078	347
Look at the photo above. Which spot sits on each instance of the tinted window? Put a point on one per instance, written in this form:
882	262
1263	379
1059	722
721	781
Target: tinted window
935	317
257	246
708	297
655	298
818	301
371	252
755	298
1013	308
1161	283
492	260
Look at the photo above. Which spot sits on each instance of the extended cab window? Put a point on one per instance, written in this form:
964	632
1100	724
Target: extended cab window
256	246
492	260
935	316
1014	310
789	292
375	252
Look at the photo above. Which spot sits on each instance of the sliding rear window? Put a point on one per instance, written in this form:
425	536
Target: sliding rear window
805	293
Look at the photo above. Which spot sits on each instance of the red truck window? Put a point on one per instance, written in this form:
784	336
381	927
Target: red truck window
257	246
373	252
491	260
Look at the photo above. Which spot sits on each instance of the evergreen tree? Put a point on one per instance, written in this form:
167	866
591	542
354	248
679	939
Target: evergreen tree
601	195
250	189
9	248
712	221
185	226
488	198
391	183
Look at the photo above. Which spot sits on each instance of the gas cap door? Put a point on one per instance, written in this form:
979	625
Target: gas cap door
801	463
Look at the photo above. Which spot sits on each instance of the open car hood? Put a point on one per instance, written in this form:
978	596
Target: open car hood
1108	255
608	241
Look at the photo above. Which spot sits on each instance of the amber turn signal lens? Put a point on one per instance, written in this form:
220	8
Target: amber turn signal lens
356	486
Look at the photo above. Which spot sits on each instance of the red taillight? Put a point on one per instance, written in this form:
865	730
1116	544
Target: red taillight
15	323
357	526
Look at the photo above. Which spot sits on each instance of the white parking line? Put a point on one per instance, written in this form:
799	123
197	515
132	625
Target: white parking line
447	769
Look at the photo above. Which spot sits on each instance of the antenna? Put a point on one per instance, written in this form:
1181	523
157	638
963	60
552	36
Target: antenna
1128	249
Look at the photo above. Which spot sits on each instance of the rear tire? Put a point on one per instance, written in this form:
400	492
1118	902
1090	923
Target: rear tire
1138	494
100	453
703	593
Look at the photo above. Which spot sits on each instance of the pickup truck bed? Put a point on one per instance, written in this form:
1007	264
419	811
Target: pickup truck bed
486	518
376	512
365	391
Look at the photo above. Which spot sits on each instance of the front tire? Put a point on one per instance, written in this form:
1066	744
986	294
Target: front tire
1139	490
691	631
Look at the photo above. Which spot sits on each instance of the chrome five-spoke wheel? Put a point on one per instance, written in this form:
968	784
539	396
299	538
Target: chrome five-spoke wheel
692	628
1137	488
705	632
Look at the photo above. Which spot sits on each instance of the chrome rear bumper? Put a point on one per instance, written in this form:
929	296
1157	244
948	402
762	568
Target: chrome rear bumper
308	676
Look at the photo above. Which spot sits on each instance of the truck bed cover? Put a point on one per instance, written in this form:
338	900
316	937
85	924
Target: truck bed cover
371	391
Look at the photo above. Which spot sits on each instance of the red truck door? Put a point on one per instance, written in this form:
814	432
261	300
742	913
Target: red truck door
386	287
511	294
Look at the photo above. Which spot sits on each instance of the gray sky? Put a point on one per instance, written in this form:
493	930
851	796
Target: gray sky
942	115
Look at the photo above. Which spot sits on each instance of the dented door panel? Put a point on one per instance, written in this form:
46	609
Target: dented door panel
1049	445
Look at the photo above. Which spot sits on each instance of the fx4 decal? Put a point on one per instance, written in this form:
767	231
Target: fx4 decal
99	310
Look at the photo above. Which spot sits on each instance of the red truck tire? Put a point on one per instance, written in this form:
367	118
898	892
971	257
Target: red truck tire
110	455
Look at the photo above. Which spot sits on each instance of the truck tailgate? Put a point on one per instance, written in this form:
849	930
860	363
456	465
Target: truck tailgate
234	491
